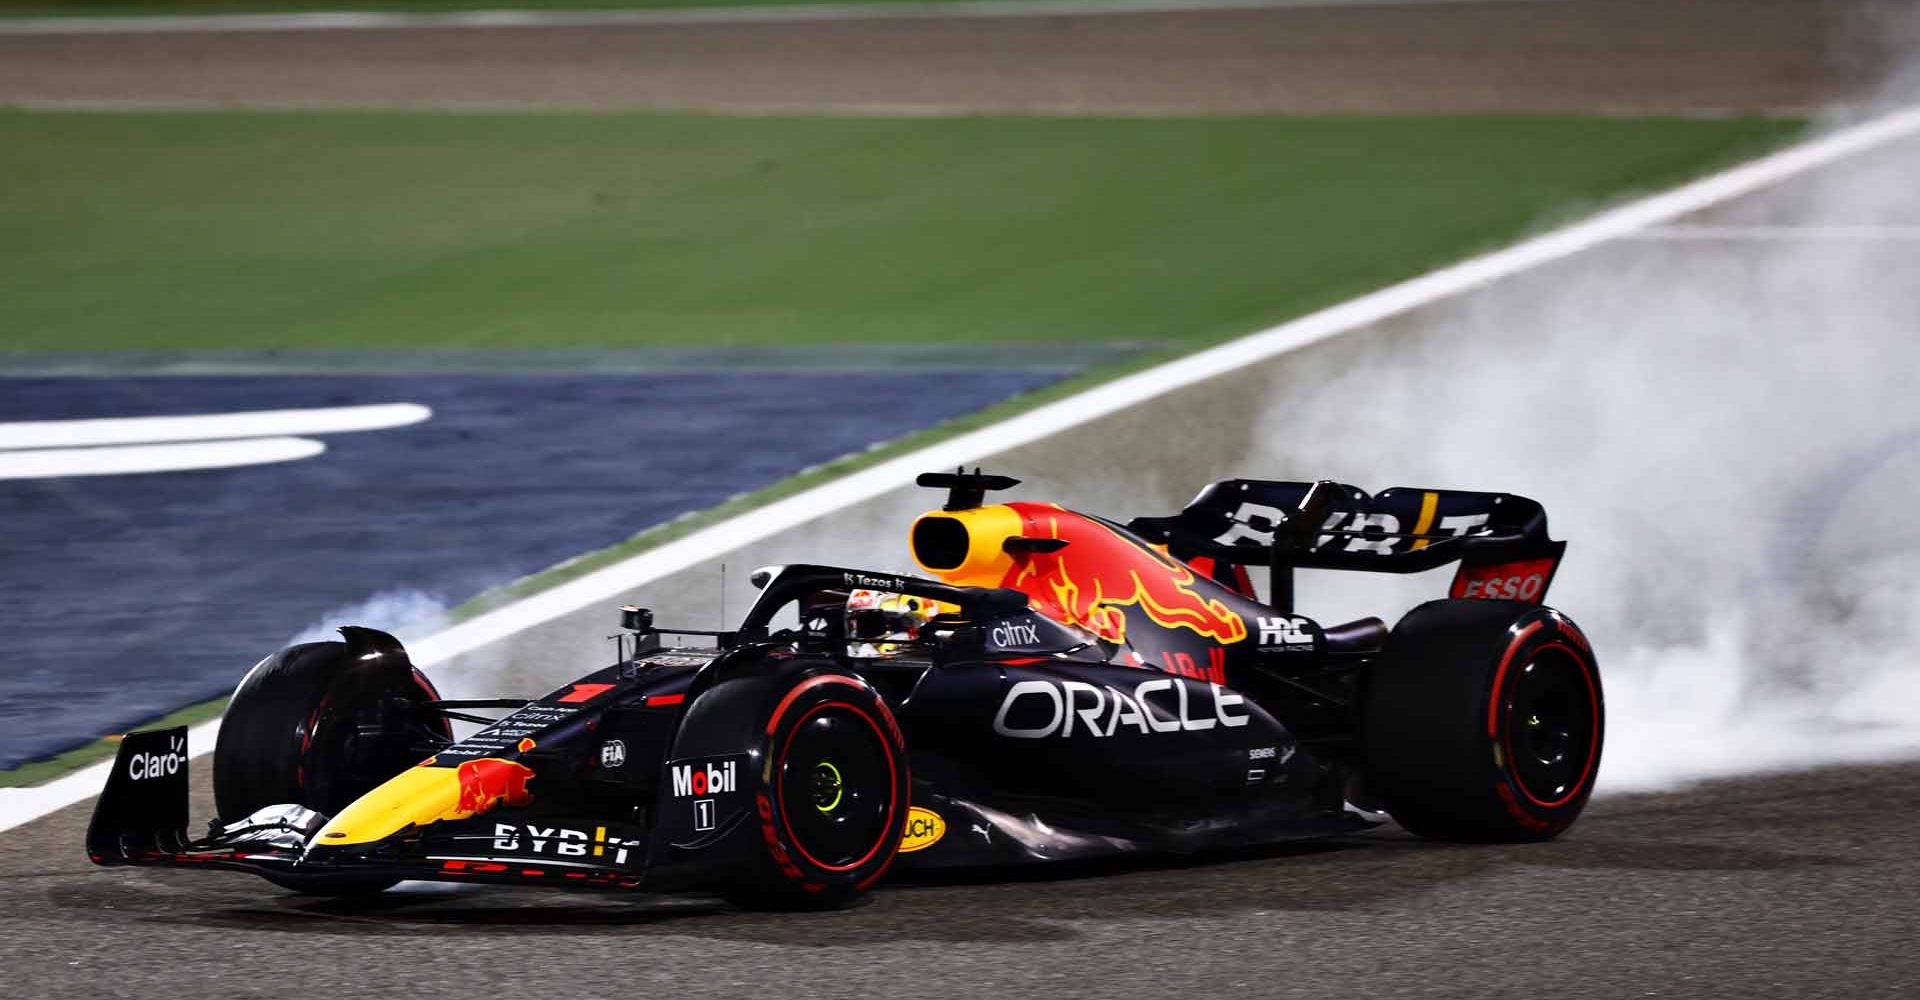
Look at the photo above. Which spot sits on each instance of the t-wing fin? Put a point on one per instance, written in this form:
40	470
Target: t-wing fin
965	490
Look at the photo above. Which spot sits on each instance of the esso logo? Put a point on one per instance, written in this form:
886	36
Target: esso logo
1525	580
152	765
1507	588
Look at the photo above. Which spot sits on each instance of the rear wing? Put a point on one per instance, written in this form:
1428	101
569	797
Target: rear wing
1499	539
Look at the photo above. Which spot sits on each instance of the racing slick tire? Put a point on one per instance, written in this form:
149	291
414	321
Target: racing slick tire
1482	721
305	726
835	797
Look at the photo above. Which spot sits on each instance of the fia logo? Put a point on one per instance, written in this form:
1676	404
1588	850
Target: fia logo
613	753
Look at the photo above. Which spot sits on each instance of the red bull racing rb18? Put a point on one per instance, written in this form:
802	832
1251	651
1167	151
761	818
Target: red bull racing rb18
1056	686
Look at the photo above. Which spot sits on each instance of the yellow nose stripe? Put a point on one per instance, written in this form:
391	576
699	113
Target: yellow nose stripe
414	797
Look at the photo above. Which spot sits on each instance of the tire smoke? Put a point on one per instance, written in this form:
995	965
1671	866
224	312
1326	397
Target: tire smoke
407	614
1721	417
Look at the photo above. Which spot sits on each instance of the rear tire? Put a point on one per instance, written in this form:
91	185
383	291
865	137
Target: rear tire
295	731
831	811
1483	721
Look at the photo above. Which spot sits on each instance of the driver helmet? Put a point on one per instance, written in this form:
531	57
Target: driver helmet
879	620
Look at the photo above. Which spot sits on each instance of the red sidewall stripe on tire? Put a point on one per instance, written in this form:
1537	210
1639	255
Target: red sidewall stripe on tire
1593	703
1500	678
893	780
773	721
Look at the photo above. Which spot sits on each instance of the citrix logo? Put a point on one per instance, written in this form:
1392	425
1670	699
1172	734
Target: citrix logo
1015	634
1102	711
704	779
142	766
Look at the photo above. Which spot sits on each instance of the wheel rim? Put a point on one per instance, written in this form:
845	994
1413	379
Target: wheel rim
1552	725
836	764
829	788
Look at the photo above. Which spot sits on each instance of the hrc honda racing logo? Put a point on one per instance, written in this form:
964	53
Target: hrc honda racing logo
704	779
1037	710
1284	631
142	766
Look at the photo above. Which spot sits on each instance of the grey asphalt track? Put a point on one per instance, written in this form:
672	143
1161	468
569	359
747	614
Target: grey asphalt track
1789	886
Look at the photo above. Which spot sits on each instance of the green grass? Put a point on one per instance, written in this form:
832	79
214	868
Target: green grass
360	230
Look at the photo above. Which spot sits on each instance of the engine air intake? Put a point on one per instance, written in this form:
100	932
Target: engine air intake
940	543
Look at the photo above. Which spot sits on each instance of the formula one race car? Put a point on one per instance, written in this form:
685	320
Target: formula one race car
1062	686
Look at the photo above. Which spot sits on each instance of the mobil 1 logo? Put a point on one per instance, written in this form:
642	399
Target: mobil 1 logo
703	796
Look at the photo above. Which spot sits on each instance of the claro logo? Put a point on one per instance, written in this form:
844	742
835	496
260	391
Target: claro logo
142	766
1036	710
704	779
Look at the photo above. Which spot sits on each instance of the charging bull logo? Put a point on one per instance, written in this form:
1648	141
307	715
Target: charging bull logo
1101	572
491	781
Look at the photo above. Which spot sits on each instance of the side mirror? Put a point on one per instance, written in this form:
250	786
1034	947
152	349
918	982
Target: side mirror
636	619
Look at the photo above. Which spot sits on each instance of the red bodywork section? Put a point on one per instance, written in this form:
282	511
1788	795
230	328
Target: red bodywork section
1102	571
491	781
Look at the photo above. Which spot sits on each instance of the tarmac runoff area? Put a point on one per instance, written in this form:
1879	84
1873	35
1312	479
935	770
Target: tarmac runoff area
1790	885
1621	56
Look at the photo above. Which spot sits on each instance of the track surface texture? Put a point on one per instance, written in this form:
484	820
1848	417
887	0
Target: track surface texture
1796	886
1628	56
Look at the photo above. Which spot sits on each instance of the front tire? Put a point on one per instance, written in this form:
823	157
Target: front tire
835	799
316	726
1483	722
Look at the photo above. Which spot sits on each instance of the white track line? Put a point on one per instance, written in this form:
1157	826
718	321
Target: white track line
120	460
209	426
799	13
19	806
